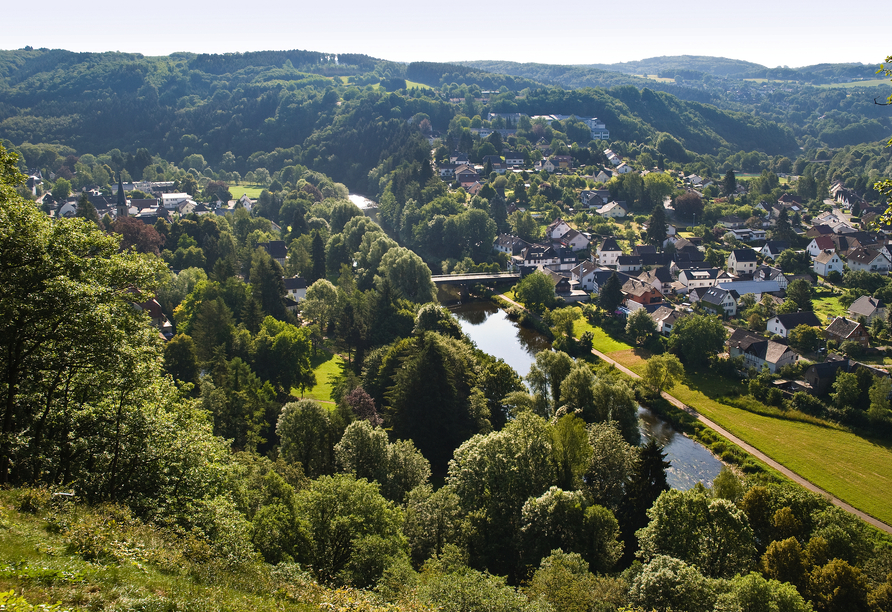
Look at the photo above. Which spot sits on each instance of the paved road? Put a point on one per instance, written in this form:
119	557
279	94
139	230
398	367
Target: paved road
747	447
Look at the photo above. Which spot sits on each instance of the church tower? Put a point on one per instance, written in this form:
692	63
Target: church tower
121	208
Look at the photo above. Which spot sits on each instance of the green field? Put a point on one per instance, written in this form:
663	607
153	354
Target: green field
325	365
828	307
602	342
871	83
855	469
253	191
413	84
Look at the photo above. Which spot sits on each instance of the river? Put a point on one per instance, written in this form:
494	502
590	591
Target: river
494	333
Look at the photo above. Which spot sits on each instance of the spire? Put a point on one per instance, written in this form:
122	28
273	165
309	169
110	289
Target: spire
121	208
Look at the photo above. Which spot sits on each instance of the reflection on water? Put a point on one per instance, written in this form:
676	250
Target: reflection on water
494	333
691	462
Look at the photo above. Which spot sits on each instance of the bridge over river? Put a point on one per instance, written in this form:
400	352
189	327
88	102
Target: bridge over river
465	280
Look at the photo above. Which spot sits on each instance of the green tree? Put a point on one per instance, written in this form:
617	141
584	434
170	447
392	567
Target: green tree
317	254
612	465
805	338
433	520
661	372
493	475
729	183
408	274
666	583
180	359
430	399
657	227
86	210
536	291
610	295
712	534
548	373
307	436
68	325
61	189
640	326
267	284
563	519
846	391
799	292
697	338
353	532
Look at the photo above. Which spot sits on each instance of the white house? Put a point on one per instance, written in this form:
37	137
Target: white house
612	210
820	243
742	262
758	352
558	228
868	307
826	262
173	200
695	278
784	323
868	260
608	252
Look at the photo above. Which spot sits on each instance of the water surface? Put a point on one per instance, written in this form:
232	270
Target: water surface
494	333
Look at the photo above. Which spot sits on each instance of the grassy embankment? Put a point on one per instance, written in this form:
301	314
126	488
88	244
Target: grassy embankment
855	469
101	559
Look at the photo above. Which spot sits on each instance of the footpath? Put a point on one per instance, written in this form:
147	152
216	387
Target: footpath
747	447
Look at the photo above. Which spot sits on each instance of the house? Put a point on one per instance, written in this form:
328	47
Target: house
767	273
719	301
742	287
868	260
584	275
624	168
612	210
447	171
295	288
842	329
575	241
277	250
826	262
745	234
821	376
665	318
742	262
594	197
824	242
612	157
557	228
868	307
773	248
782	324
628	263
539	256
513	158
608	252
561	282
660	278
602	275
640	294
174	200
757	352
699	277
466	175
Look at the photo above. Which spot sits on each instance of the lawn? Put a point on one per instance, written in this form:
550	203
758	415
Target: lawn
602	341
871	83
828	307
253	191
413	84
325	365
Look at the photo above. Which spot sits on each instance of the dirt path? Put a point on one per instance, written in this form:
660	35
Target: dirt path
757	453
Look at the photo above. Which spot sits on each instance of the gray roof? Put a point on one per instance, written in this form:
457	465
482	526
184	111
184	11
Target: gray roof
865	306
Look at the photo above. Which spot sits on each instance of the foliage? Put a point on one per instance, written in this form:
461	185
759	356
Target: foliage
640	326
353	532
697	338
661	372
536	291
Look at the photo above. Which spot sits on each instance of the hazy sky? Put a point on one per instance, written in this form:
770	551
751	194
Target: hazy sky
772	33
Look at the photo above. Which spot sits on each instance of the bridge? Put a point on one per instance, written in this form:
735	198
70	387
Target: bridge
464	280
471	279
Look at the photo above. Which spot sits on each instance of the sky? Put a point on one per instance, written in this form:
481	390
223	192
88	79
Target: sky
769	32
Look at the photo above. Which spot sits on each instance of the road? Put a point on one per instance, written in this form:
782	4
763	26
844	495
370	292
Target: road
755	452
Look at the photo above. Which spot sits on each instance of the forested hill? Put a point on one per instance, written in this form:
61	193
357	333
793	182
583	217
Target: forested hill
344	115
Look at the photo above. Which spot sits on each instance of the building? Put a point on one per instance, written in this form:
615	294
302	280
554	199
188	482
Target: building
842	329
782	324
719	301
742	262
608	252
757	352
826	262
868	307
868	260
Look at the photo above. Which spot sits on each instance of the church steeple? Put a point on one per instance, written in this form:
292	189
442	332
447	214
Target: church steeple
122	207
